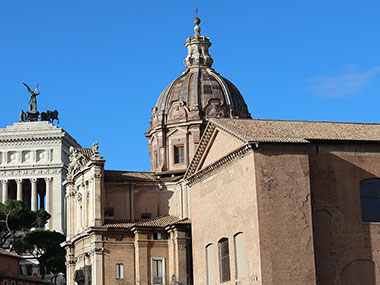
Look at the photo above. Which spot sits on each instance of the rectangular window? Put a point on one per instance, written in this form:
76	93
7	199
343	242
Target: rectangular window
370	199
157	236
119	271
29	269
158	271
179	154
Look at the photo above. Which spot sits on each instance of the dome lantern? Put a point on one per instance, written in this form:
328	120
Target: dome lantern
197	48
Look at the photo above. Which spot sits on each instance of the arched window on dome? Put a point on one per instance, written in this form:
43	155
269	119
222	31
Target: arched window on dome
370	199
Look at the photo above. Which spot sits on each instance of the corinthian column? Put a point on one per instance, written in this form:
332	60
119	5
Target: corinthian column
19	189
34	200
5	190
48	195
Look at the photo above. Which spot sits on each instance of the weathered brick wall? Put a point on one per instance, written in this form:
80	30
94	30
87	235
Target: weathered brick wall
346	250
284	212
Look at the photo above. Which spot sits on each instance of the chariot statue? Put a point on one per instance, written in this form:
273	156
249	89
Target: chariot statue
33	115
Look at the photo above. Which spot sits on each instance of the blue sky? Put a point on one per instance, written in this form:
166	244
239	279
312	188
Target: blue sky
103	64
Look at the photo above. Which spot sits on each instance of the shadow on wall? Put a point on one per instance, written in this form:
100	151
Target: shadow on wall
344	246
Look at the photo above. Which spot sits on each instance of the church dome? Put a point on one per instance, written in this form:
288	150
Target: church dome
199	92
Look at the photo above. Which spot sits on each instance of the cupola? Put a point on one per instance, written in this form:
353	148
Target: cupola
185	105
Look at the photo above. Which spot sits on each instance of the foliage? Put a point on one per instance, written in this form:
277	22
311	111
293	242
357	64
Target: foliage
44	245
16	219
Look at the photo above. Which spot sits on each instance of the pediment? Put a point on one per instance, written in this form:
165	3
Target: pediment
215	144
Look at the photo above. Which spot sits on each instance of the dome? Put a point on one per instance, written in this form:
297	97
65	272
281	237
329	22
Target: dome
205	91
184	107
199	92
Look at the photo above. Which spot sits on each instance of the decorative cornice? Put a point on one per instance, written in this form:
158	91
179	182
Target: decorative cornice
207	171
200	149
32	141
30	172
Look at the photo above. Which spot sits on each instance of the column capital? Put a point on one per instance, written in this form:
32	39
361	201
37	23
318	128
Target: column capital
4	181
33	180
48	179
19	181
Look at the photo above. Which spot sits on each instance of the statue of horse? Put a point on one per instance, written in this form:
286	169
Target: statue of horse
50	116
23	117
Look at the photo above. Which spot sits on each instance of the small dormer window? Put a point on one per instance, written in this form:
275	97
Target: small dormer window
179	154
146	216
109	213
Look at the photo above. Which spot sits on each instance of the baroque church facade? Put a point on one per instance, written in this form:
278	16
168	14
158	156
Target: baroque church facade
229	199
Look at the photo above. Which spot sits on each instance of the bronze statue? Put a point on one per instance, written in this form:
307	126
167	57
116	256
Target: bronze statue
33	99
33	115
23	117
49	116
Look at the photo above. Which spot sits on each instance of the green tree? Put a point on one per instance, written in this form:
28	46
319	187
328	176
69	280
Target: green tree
44	245
16	219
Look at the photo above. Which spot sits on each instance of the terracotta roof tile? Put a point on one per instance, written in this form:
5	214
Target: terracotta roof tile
115	175
298	131
160	222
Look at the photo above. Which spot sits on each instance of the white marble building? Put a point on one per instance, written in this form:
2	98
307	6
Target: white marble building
33	163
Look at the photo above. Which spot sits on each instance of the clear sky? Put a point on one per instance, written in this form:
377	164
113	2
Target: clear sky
103	64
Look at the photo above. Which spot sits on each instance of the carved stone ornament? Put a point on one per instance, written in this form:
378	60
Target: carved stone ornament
95	150
76	162
154	119
177	112
215	109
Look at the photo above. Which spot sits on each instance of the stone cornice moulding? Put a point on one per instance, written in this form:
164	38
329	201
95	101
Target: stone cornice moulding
30	143
31	167
26	173
217	165
200	149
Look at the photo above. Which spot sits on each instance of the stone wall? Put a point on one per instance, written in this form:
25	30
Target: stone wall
346	249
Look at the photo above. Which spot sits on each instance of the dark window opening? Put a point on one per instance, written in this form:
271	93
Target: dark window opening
29	269
370	199
179	154
157	236
146	216
224	260
108	213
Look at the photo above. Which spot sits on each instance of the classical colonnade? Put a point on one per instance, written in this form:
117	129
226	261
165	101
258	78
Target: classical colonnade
30	197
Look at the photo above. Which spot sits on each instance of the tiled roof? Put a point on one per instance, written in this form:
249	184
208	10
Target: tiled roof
160	222
124	225
298	131
114	175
